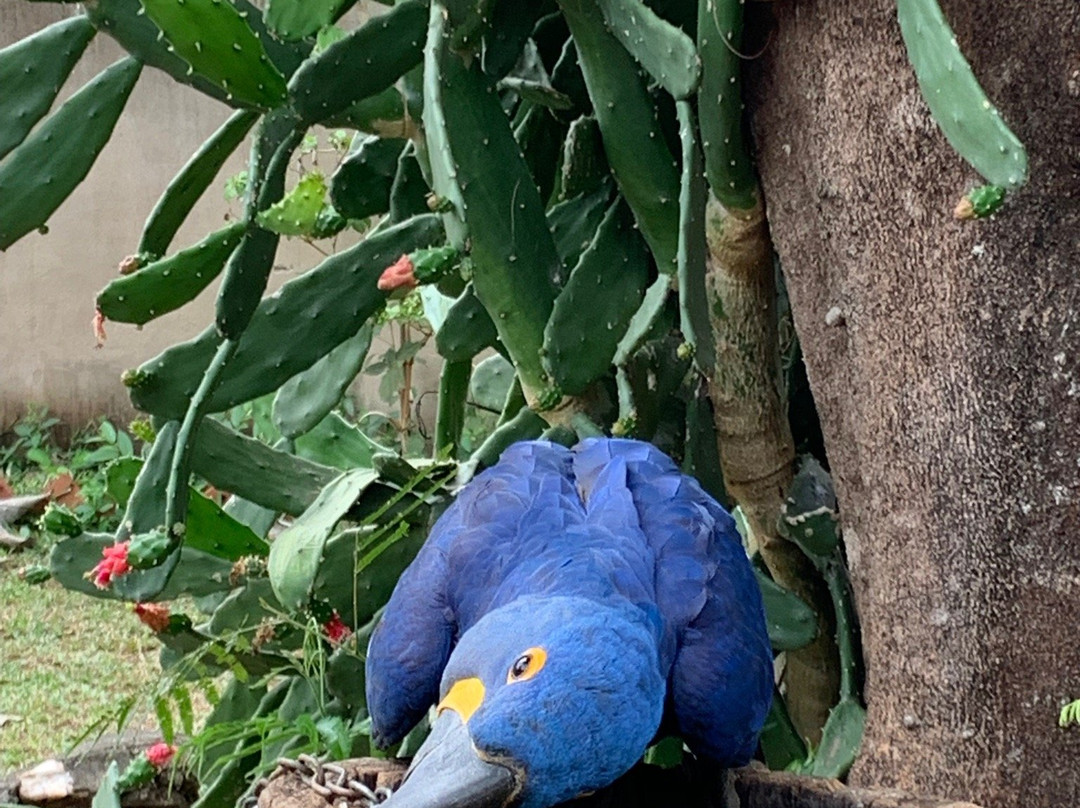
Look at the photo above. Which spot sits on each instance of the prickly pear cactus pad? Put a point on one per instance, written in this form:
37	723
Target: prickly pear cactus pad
970	122
215	39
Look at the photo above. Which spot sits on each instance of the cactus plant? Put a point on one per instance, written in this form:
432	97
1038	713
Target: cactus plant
135	32
296	554
661	48
305	399
580	338
549	135
374	56
296	19
980	202
363	183
337	297
276	479
639	157
249	266
513	257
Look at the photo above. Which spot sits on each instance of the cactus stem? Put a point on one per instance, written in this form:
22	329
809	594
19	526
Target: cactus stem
176	493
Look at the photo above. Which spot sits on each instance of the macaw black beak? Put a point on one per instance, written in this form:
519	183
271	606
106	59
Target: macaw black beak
447	772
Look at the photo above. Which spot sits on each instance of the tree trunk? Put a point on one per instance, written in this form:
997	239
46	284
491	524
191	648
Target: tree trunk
949	389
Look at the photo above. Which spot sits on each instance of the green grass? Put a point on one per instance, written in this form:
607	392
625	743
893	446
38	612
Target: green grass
66	660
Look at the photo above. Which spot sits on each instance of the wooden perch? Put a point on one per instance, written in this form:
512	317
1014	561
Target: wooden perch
642	787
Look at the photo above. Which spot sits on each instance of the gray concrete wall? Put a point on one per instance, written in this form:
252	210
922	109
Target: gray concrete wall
48	282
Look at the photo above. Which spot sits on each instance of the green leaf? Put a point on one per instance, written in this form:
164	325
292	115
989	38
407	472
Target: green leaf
296	554
791	623
360	571
107	431
163	711
184	708
209	528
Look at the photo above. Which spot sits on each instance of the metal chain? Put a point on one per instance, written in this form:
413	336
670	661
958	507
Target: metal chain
326	779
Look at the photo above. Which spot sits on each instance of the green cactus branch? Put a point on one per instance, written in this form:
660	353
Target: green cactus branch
32	72
176	494
191	183
756	448
479	169
450	417
972	125
249	267
728	166
639	156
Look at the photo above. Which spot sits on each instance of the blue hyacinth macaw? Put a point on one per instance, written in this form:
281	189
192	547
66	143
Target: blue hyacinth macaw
564	605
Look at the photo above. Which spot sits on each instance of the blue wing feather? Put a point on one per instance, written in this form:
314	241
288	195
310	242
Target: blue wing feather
612	519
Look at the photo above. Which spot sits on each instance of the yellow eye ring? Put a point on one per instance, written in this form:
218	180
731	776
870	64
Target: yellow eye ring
527	665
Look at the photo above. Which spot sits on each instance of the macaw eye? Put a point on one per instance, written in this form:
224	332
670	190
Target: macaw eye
527	665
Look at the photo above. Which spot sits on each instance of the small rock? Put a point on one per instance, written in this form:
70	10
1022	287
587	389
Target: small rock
47	781
834	316
13	509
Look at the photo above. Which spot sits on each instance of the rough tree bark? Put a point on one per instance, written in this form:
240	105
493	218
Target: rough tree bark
950	392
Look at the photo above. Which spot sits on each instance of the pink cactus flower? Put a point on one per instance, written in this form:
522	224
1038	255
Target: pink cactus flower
335	628
398	275
112	565
160	754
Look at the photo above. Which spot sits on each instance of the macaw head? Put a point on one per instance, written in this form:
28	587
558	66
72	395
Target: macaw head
542	700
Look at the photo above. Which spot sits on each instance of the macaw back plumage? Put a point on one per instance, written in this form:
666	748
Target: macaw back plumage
618	590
